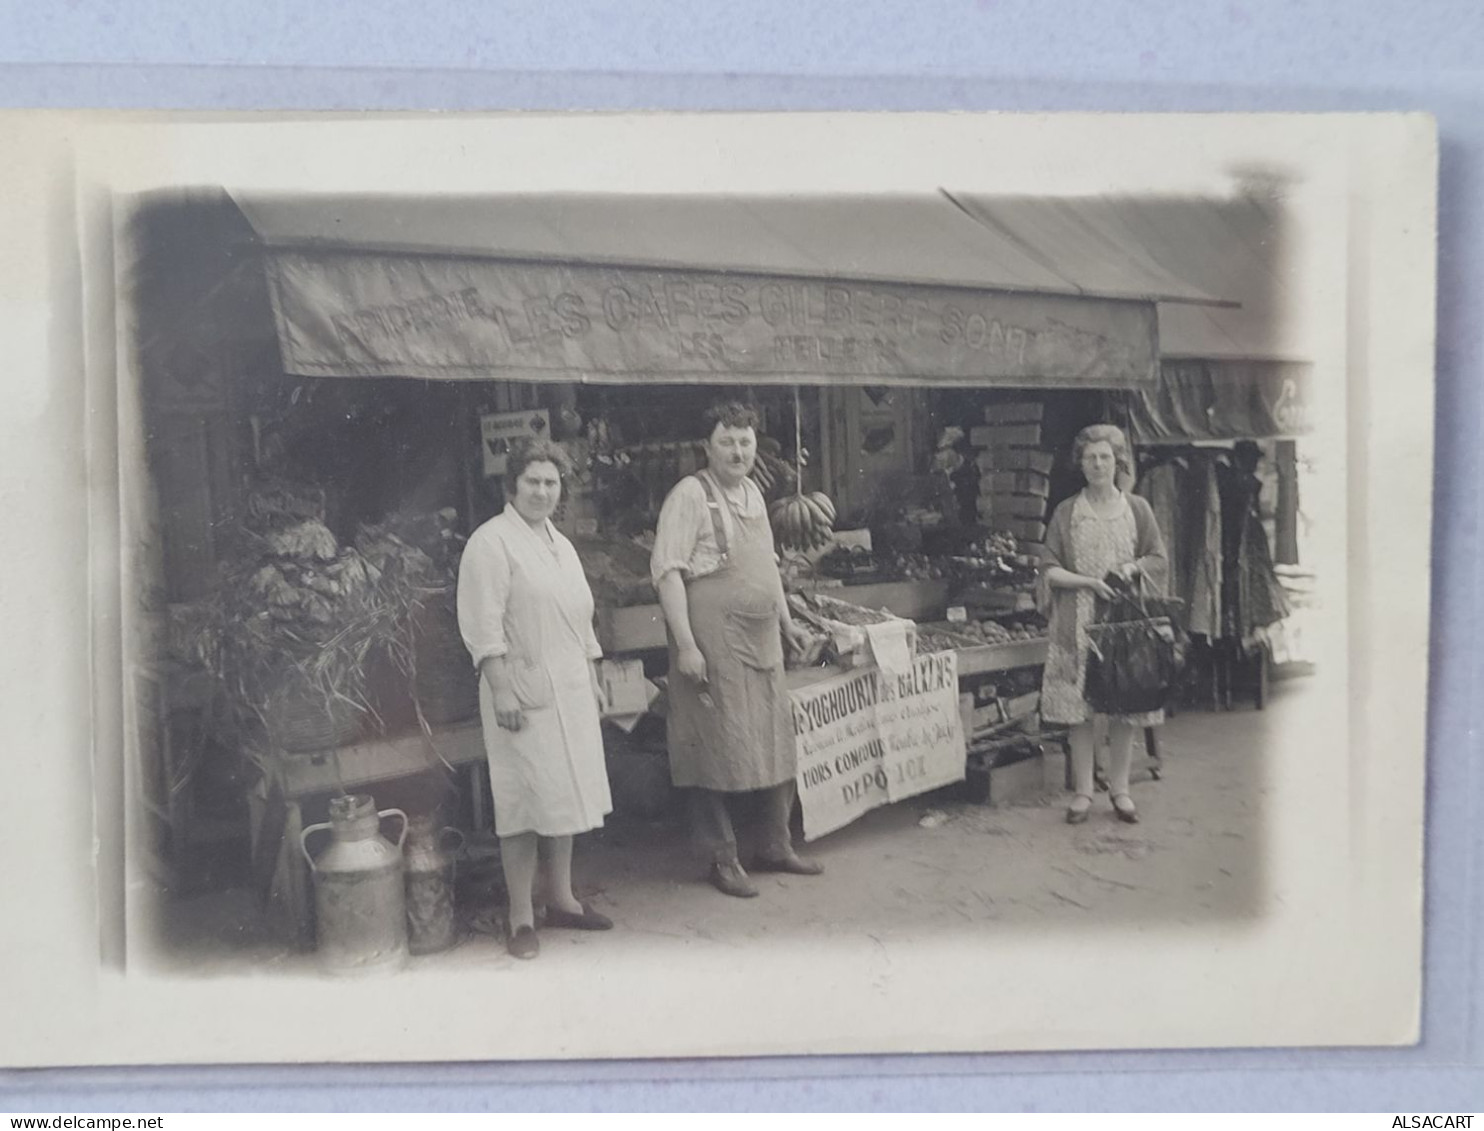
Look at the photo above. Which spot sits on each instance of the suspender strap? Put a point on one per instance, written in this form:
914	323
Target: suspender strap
713	505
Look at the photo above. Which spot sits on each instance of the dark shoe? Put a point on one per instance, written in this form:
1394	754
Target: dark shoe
792	864
1077	814
523	943
585	920
1125	811
730	879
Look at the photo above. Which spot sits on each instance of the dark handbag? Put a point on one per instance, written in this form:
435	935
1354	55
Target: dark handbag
1135	654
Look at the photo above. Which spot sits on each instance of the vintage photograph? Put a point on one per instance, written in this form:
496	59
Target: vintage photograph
730	617
517	554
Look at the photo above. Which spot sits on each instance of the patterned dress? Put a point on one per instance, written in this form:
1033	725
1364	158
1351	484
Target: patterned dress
1098	546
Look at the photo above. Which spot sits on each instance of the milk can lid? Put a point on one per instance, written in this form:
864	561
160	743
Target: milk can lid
351	806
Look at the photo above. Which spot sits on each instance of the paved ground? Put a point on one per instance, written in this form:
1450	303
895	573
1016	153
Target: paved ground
1197	855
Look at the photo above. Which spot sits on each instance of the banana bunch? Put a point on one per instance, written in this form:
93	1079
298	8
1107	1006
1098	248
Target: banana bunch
803	522
775	477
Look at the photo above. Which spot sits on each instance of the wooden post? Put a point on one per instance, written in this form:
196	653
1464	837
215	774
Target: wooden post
1285	550
470	463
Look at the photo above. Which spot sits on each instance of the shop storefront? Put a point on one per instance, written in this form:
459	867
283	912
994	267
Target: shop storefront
933	410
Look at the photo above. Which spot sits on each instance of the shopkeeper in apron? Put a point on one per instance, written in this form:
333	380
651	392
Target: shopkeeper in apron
730	726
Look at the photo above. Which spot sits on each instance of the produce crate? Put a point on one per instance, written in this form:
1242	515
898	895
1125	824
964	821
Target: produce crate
1002	657
1015	459
1020	482
1005	436
1018	412
999	506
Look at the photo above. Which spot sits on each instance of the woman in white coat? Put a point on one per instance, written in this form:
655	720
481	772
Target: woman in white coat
526	615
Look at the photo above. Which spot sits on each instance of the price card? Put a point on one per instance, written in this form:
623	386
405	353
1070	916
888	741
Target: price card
958	614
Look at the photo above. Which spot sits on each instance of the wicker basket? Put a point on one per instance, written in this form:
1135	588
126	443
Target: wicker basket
301	719
447	684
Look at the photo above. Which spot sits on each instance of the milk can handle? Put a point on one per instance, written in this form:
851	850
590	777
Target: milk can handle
463	840
385	813
304	840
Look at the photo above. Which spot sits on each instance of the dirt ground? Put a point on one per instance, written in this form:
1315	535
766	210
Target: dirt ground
930	862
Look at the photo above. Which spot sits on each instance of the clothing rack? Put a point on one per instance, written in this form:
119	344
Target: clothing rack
1222	659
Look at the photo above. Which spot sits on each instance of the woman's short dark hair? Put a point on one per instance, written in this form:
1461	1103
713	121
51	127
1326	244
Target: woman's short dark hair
729	414
526	450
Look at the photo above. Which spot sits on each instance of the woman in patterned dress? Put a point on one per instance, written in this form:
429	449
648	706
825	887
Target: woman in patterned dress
1099	531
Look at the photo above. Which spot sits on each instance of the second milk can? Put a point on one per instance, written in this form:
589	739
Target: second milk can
360	906
430	881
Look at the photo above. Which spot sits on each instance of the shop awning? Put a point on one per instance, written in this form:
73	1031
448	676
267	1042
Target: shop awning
1198	401
1235	247
621	289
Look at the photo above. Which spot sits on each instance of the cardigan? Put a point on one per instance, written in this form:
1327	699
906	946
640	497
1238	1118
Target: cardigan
1149	555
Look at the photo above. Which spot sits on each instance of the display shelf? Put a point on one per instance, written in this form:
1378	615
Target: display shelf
921	600
1001	657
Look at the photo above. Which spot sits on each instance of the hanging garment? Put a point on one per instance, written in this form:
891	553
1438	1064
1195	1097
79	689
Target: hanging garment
1160	487
1201	513
1252	595
1186	503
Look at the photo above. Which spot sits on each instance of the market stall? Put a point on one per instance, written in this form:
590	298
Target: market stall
919	390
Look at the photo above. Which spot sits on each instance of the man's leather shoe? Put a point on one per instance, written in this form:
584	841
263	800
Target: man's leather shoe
792	864
730	879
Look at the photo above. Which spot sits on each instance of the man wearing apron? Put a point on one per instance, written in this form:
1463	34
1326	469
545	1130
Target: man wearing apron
730	726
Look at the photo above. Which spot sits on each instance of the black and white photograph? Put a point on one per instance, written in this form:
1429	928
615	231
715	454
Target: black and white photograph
742	585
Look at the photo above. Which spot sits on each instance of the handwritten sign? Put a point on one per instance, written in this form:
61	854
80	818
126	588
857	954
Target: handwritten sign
866	738
497	429
352	314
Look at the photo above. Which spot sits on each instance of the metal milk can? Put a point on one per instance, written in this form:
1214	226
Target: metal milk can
431	926
360	905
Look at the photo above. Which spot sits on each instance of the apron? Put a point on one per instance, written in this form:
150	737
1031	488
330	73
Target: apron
735	732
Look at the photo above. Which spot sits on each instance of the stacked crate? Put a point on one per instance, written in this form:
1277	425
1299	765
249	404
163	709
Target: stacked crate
1014	474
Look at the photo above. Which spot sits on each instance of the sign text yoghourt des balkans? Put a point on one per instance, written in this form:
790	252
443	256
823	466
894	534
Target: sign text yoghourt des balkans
869	737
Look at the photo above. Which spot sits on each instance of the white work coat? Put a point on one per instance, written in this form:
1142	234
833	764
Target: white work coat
523	595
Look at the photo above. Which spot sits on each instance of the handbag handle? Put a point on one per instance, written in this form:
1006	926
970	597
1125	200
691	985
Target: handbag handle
1134	595
1140	594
